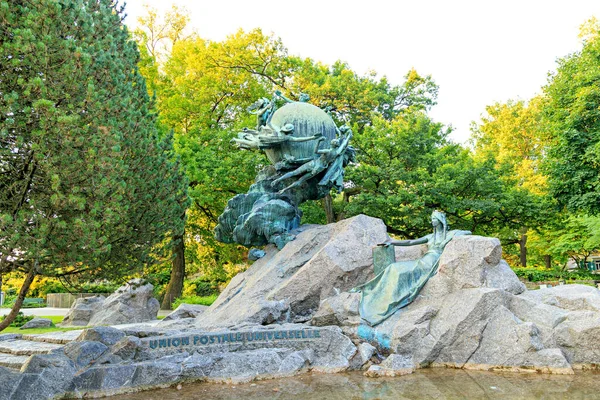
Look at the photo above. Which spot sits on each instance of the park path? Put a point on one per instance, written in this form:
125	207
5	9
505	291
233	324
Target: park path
45	311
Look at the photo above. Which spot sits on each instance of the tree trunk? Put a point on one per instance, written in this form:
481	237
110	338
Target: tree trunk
548	261
328	207
523	246
175	286
19	302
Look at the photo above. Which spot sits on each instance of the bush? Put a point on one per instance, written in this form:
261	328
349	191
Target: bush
203	300
33	302
104	288
9	300
29	302
541	274
52	286
205	288
20	320
47	286
159	280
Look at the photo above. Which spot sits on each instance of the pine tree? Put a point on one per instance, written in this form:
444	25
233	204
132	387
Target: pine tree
86	184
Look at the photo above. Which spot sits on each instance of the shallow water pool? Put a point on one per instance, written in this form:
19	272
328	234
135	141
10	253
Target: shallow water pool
436	383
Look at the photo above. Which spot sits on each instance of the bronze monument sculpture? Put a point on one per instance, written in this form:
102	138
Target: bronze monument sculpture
308	153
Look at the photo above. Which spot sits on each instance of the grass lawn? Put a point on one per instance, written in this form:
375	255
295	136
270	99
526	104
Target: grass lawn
202	300
55	319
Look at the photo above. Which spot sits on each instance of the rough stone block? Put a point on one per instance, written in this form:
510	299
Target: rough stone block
103	334
394	365
186	311
84	353
38	323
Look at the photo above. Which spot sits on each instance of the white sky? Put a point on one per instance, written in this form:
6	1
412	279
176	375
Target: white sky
478	52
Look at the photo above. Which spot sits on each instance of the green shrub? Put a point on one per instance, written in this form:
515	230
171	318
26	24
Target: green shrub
48	287
205	288
9	300
159	280
104	288
20	320
27	303
33	302
57	287
203	300
540	274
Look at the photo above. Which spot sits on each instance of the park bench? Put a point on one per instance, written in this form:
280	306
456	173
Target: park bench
31	302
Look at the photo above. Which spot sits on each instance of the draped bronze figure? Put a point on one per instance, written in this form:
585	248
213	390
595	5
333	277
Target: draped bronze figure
396	285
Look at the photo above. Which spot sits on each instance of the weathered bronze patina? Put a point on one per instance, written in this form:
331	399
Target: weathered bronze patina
308	153
397	284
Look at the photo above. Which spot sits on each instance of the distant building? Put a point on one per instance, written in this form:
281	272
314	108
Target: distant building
592	263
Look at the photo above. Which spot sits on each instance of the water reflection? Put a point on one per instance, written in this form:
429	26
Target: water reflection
425	384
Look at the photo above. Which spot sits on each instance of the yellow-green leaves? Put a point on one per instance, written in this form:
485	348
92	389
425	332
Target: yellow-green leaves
512	134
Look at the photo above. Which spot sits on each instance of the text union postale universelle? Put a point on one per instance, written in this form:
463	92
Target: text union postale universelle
234	337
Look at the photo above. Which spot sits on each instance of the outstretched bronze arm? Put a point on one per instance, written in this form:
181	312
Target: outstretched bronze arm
280	95
317	143
410	242
305	139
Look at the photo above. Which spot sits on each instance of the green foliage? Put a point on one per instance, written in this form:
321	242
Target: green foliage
20	320
32	302
87	287
313	213
511	133
158	275
204	288
406	168
573	121
574	237
9	301
87	186
354	98
203	300
540	274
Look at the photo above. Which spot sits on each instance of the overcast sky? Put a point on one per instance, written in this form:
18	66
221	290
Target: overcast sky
478	52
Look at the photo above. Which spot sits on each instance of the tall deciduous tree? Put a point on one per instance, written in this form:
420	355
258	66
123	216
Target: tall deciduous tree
575	238
203	89
86	186
407	168
208	87
512	135
573	113
353	98
156	36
